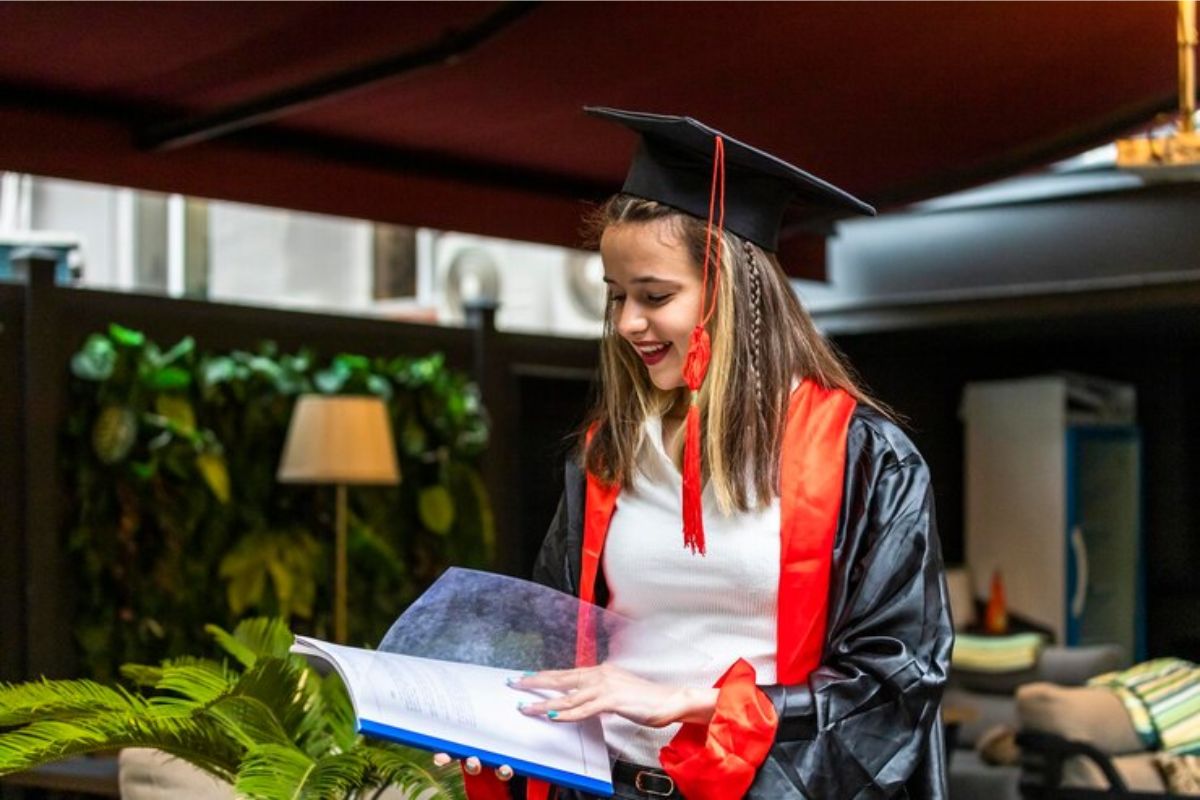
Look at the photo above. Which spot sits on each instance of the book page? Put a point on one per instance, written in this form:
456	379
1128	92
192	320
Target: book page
464	704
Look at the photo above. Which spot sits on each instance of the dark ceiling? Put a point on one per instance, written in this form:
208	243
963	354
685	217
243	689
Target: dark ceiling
466	116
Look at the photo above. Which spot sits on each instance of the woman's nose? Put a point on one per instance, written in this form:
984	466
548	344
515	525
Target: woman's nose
630	319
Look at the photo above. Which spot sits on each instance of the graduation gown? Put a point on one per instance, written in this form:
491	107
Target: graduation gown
864	722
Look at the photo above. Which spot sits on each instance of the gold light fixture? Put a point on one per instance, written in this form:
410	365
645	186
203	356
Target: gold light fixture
343	440
1176	155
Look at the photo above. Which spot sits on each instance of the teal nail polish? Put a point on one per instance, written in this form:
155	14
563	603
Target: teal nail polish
552	714
521	705
511	681
529	673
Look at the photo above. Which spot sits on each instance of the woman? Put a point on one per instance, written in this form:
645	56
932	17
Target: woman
809	562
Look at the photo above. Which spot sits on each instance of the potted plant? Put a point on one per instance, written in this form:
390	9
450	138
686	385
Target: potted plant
261	719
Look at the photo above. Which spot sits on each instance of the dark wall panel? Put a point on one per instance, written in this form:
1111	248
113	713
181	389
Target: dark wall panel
12	600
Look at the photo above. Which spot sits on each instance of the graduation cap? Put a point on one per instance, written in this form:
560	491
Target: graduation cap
674	165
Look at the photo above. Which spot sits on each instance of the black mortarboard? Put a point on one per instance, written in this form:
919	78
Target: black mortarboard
674	165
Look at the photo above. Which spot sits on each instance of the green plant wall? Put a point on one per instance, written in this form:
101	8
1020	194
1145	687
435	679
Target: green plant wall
175	518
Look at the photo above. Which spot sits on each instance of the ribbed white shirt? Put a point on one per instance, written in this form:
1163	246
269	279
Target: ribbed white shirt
722	605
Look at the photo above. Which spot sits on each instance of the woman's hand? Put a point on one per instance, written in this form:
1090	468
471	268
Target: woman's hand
592	690
472	766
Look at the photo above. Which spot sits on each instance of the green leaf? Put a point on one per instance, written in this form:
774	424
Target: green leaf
114	433
436	508
144	470
273	771
338	711
288	559
352	362
214	371
126	337
379	386
184	347
95	360
414	771
266	636
287	686
474	535
44	699
168	379
212	468
197	740
249	721
244	654
413	441
201	682
246	579
144	675
331	381
178	410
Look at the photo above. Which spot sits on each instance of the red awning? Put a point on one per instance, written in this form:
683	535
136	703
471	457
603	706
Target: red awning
482	130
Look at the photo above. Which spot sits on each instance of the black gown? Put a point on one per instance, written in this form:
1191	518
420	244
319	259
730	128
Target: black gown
866	723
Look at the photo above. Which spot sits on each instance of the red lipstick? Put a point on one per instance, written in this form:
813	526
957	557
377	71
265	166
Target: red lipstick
655	356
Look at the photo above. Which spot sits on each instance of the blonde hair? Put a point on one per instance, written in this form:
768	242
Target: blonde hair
761	337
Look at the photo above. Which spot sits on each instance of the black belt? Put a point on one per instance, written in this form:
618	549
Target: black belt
646	781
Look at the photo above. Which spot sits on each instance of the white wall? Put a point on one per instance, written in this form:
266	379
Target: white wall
275	257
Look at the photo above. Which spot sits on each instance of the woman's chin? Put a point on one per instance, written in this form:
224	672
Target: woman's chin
665	379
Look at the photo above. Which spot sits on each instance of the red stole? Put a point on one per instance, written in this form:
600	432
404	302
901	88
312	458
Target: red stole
720	760
812	464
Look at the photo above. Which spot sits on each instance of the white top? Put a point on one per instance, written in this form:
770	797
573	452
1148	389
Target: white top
722	604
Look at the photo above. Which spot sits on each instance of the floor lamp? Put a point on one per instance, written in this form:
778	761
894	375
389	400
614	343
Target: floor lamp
343	440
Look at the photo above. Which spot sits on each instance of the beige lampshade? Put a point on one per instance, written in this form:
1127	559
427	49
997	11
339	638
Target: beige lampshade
339	439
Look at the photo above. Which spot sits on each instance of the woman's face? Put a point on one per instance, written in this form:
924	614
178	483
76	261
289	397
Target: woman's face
654	287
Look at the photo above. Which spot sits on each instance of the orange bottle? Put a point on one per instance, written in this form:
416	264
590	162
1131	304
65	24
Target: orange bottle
995	618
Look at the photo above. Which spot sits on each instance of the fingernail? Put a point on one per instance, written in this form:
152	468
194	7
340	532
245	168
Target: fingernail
521	705
529	673
512	681
552	714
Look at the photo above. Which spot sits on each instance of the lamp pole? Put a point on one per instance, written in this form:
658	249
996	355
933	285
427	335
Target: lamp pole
1186	37
339	588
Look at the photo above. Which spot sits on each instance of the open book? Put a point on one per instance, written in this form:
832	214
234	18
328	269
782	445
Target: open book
464	710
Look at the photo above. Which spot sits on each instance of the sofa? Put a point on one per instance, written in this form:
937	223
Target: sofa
986	707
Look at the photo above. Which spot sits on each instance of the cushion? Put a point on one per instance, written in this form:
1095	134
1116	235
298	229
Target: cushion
1071	666
1091	714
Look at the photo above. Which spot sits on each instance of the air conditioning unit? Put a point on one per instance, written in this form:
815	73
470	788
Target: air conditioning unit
539	289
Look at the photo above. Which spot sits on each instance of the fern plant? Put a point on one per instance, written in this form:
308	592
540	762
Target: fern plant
260	719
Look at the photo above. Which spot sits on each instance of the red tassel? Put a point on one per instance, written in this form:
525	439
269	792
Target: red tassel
693	513
695	365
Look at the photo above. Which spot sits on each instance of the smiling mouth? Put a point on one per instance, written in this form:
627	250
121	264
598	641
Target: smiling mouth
651	355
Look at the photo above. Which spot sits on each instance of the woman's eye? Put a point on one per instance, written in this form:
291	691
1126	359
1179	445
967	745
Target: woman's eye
658	298
616	298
